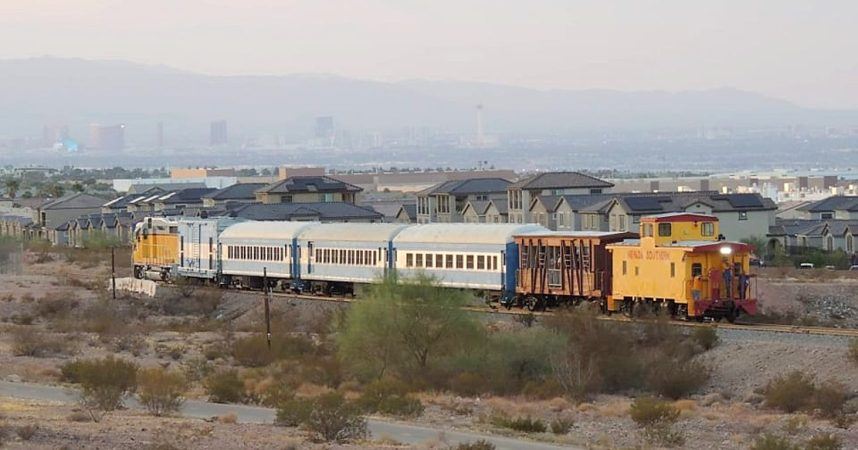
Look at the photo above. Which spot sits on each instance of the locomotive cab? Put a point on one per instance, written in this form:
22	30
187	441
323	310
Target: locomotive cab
681	262
155	248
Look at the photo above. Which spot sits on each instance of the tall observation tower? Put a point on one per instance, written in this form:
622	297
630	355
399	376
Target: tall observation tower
481	139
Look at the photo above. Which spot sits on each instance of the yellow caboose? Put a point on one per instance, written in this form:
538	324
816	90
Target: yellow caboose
156	248
681	262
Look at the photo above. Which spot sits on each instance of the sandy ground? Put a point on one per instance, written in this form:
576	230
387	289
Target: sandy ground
726	415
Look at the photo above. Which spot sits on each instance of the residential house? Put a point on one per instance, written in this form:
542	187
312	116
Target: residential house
836	207
446	201
407	214
237	193
308	189
825	234
493	210
178	200
54	213
521	193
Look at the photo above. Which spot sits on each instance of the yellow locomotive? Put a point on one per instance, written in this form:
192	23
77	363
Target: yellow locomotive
681	262
155	248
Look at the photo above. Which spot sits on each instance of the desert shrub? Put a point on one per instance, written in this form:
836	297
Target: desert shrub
294	412
656	417
26	432
131	343
829	399
161	391
333	419
468	384
522	424
480	444
405	328
50	307
389	397
26	341
224	386
824	442
514	360
791	392
676	379
705	337
253	351
853	350
196	369
561	425
542	389
104	382
202	302
770	441
649	411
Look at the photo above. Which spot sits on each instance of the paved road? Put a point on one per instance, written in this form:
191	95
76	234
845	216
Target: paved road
406	433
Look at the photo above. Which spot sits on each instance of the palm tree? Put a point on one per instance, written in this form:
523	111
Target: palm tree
12	185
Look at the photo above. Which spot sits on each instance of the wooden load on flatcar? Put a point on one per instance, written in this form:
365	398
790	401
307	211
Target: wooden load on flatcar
559	267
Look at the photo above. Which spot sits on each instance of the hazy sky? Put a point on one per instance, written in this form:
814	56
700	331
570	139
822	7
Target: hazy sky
804	51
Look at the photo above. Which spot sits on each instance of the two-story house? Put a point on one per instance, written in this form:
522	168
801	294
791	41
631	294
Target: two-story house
522	193
836	207
493	210
446	201
53	213
308	189
235	194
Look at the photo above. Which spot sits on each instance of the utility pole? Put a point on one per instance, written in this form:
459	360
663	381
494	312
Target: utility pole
267	306
113	269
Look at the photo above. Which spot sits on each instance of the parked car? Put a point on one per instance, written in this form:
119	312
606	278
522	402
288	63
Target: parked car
855	268
805	265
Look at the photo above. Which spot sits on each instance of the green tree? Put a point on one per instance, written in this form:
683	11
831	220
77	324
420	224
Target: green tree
405	326
12	185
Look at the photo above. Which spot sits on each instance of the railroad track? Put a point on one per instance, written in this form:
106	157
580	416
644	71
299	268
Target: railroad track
762	327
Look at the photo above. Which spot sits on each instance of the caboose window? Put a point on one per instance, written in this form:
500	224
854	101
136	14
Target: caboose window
625	268
672	270
707	229
664	229
696	270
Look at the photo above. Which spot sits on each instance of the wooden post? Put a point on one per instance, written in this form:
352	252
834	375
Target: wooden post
267	306
113	269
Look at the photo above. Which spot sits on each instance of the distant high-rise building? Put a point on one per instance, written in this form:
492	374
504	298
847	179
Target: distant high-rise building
324	127
53	134
107	137
159	137
217	133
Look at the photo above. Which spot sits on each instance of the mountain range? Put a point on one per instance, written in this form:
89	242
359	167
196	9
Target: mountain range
43	91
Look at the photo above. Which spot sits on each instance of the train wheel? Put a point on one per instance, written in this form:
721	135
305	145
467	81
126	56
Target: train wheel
531	303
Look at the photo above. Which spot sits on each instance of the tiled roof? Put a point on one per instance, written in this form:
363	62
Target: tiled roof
835	203
560	180
665	202
331	211
77	200
469	186
813	227
240	191
308	184
192	195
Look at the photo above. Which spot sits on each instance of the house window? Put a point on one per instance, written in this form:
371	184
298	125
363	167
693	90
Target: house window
595	191
850	244
636	219
664	229
286	199
743	215
827	215
707	229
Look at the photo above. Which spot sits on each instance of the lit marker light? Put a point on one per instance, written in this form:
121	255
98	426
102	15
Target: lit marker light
725	250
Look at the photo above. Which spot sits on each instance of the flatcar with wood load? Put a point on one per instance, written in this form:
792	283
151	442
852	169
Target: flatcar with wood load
564	267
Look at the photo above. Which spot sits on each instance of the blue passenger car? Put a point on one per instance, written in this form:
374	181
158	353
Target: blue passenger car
249	249
335	256
469	256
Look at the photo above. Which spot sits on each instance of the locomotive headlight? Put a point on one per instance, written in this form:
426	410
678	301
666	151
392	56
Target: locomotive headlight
726	250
